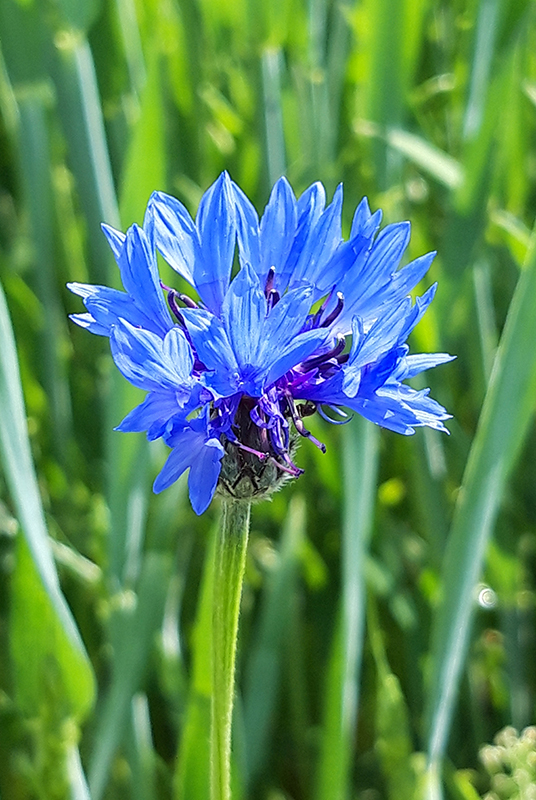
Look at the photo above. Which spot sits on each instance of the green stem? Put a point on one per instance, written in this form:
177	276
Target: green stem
230	560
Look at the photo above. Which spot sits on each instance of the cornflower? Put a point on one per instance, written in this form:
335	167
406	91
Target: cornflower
309	323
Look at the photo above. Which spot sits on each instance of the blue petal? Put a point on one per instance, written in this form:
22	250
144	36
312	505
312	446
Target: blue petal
299	349
321	244
382	370
382	336
368	295
277	228
204	474
394	406
247	229
193	448
364	223
178	461
351	370
243	312
310	206
177	355
107	306
175	234
158	407
116	239
388	249
213	348
148	361
403	281
285	321
405	402
343	268
415	364
88	321
216	224
139	274
386	414
371	275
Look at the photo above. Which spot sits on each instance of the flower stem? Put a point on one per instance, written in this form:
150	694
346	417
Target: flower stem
230	560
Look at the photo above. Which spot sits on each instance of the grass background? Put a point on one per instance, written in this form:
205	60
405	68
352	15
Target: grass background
387	628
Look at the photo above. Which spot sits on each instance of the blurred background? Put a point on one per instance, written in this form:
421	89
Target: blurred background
387	629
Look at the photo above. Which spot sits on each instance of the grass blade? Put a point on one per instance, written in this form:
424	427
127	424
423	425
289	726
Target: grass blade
144	168
21	479
35	158
263	666
360	475
133	644
57	681
393	742
273	119
504	421
77	779
191	774
81	116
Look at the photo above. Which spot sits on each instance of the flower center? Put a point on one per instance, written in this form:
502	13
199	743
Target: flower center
256	431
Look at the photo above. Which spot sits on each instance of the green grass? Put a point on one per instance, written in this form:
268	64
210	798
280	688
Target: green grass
367	667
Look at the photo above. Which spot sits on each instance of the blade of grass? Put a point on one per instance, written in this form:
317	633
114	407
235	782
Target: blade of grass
470	199
144	168
261	680
360	465
192	775
57	682
81	113
393	736
439	165
485	37
319	110
140	750
273	120
130	32
380	22
487	328
77	780
35	160
504	421
81	116
133	643
338	47
22	482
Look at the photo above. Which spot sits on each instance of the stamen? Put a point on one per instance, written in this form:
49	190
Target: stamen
335	313
269	285
175	308
298	424
273	298
259	418
333	353
318	316
188	302
173	296
292	469
260	456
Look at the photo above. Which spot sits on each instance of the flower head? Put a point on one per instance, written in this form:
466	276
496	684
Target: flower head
310	322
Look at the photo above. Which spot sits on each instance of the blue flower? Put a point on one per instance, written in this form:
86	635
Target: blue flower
310	322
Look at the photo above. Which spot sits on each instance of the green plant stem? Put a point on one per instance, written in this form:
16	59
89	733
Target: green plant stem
230	559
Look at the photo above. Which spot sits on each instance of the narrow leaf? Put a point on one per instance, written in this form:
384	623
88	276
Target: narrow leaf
22	482
504	421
